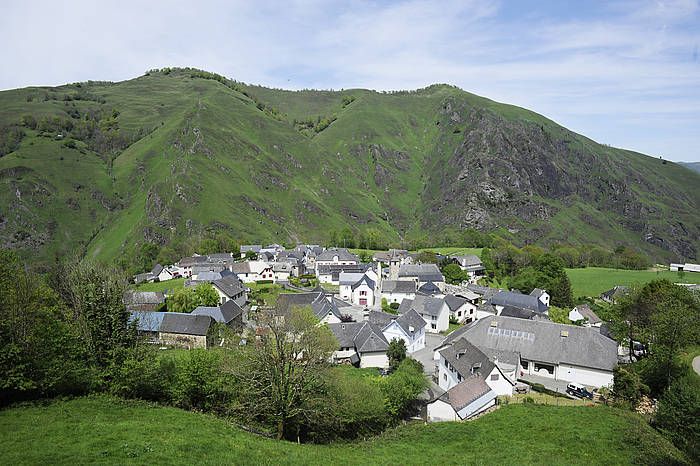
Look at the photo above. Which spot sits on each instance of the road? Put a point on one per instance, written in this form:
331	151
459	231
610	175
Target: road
696	364
425	355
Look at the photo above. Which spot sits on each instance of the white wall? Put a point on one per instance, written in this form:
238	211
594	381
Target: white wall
442	322
397	297
369	295
374	360
501	386
584	376
439	411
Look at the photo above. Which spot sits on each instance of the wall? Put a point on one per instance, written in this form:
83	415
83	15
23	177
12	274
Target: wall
501	386
183	341
439	411
374	360
584	376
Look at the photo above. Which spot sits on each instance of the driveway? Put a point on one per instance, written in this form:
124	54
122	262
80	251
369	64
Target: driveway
555	385
425	355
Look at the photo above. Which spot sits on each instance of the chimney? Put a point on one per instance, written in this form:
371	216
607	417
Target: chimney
564	333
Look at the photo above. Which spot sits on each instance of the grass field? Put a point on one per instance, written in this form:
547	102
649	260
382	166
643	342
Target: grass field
171	285
105	430
592	281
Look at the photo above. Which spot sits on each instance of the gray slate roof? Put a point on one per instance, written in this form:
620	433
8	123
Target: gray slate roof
147	321
406	321
320	306
223	314
208	276
467	359
423	305
230	285
454	302
484	291
540	341
424	272
370	339
342	253
520	313
157	269
398	286
186	324
429	289
345	333
524	301
250	247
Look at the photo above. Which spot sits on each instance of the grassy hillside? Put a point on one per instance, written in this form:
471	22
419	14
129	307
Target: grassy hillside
174	155
102	430
592	281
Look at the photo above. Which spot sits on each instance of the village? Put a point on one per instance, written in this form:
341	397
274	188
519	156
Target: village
477	344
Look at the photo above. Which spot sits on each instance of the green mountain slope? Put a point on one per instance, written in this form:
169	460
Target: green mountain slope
175	154
695	166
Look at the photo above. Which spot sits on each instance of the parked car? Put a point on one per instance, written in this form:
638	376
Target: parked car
579	391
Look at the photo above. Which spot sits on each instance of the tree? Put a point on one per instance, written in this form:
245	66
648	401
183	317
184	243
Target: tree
454	275
427	257
403	386
183	300
251	256
627	386
396	353
282	377
206	295
678	415
94	295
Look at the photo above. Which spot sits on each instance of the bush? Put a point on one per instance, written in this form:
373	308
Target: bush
141	373
200	383
678	416
403	387
264	282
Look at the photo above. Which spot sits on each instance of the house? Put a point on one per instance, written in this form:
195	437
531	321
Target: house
324	309
358	289
331	273
281	271
463	401
246	248
485	293
175	328
206	276
184	265
470	264
462	309
162	274
253	271
433	310
429	289
230	288
336	256
422	274
186	330
687	267
584	313
361	343
143	300
542	295
523	347
523	301
614	294
229	313
395	291
409	327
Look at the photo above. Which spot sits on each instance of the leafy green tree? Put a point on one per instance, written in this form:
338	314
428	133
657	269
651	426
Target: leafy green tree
454	275
94	295
251	256
427	257
347	238
206	295
403	386
183	300
396	353
628	387
678	415
282	378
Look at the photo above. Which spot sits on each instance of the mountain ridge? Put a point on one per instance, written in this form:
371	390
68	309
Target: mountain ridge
180	153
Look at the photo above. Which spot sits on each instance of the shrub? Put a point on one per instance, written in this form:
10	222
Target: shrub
141	373
678	416
200	383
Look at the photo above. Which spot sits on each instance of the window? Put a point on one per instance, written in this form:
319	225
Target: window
444	377
433	326
494	376
459	377
525	364
363	293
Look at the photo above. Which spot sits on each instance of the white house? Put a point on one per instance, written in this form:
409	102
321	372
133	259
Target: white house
230	287
281	271
462	307
253	271
336	256
471	381
409	327
584	313
687	267
361	343
543	348
331	273
433	310
358	289
395	291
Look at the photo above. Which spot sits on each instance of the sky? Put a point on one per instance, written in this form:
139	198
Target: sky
624	73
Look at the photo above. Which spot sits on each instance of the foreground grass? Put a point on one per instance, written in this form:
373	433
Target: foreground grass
105	430
592	281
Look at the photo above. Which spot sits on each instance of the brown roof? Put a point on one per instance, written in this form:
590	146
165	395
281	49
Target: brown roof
465	392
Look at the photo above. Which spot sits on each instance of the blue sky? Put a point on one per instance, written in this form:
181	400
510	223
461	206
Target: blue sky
625	73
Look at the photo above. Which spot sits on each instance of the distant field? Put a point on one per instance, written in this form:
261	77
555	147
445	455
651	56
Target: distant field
105	430
592	281
439	250
162	286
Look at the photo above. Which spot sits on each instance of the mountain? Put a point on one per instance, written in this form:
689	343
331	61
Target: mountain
695	166
177	153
